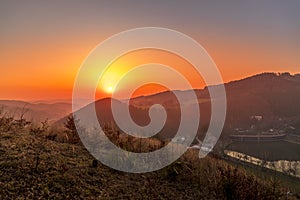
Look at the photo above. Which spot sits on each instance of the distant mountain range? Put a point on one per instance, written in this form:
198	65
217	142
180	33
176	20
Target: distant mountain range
274	97
35	112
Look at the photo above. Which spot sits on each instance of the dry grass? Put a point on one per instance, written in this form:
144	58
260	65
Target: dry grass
32	167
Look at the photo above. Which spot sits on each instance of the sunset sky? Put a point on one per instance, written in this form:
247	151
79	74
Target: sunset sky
43	43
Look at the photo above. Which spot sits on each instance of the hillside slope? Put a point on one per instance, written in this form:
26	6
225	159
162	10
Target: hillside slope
34	168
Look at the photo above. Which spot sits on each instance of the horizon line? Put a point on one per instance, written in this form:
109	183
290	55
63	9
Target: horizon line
64	100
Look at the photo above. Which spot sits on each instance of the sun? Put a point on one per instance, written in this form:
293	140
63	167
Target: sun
109	89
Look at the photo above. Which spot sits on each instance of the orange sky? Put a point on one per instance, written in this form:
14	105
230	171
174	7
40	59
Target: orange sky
43	71
43	44
137	58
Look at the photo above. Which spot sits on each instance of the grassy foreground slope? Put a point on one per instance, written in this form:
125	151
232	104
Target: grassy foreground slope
32	167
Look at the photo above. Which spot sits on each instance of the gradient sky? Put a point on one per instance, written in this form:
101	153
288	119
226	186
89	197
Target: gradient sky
43	43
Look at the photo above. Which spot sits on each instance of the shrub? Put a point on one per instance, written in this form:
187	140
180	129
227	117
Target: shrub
71	131
9	123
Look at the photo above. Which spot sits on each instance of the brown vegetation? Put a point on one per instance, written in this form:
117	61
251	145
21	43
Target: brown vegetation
32	166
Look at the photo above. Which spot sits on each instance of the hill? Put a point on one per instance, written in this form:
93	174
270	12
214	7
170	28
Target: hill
273	97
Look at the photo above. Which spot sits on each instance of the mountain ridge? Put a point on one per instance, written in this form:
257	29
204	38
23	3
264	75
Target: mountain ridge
274	96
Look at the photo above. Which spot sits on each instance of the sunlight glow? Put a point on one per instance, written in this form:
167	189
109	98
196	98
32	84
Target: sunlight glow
109	89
